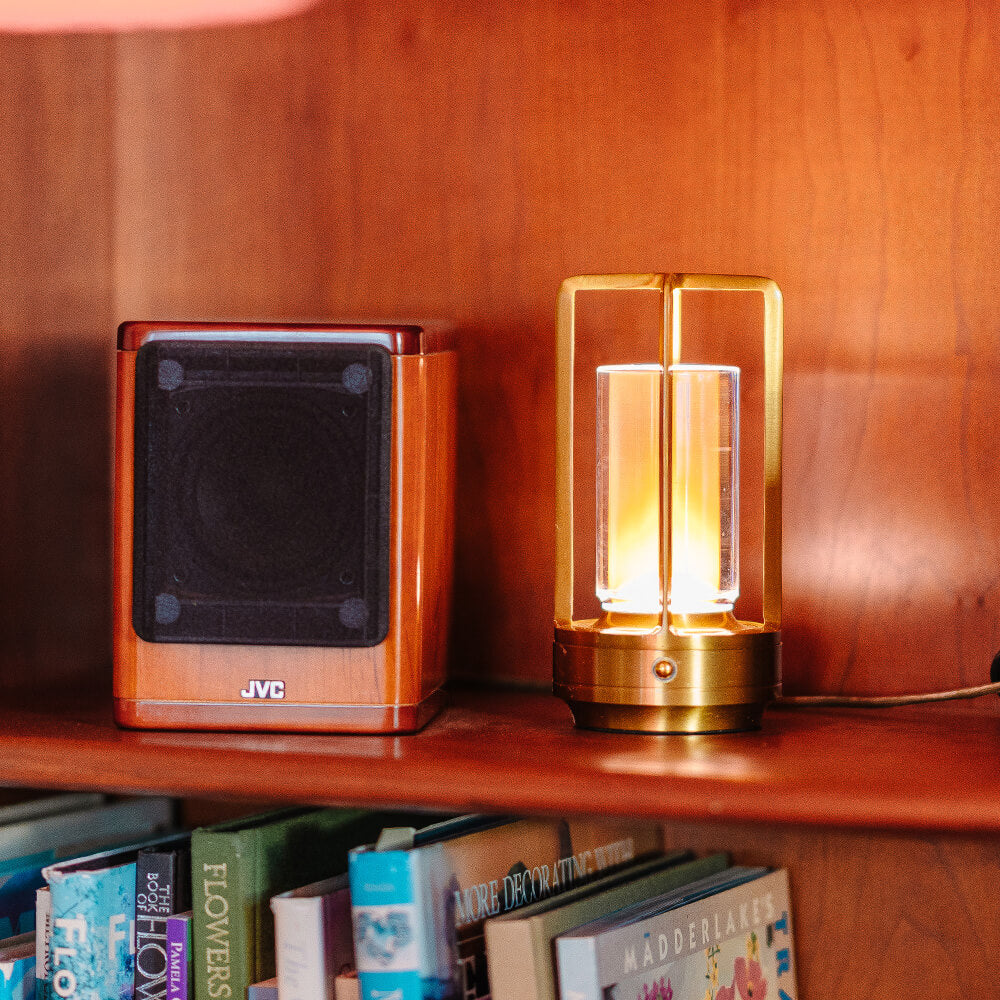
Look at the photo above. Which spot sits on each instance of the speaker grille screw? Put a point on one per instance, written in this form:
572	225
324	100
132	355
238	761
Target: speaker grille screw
167	609
169	374
357	378
353	613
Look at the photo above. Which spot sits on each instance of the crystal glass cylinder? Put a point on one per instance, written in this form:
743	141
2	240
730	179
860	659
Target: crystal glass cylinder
628	488
704	498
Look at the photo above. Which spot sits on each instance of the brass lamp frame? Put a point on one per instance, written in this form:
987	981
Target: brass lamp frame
658	678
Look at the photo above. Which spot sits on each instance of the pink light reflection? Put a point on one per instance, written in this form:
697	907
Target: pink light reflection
131	15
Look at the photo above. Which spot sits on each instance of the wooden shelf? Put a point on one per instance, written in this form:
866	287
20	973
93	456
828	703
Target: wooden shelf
927	769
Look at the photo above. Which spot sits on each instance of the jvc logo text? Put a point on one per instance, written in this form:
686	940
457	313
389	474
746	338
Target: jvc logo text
264	689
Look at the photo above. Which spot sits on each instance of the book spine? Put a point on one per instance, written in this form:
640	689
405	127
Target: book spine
90	948
578	974
179	979
345	986
266	990
17	899
17	979
294	853
519	949
155	891
221	869
300	948
738	941
43	932
387	927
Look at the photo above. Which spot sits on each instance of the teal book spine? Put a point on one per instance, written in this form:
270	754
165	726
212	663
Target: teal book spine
420	904
17	968
17	979
90	950
394	957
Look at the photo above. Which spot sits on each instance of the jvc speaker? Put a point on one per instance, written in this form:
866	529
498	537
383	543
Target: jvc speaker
283	525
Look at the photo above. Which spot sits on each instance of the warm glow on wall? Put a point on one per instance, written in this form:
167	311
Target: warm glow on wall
127	15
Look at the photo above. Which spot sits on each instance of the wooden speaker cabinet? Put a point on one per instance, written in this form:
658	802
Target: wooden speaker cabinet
283	525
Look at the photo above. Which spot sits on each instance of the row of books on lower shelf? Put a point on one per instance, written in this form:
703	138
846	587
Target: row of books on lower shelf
333	904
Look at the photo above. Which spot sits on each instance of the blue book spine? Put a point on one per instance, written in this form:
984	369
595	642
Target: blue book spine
17	979
17	898
90	949
394	958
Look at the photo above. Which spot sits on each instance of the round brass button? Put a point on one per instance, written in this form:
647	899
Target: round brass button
665	669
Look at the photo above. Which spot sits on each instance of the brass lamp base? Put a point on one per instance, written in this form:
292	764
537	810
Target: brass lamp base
698	682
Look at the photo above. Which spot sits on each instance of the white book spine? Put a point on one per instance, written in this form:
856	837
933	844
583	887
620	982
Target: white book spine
43	927
300	951
578	978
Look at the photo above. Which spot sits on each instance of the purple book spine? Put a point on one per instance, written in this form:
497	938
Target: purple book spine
179	957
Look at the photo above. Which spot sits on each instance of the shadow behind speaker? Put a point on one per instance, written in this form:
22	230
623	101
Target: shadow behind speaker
283	525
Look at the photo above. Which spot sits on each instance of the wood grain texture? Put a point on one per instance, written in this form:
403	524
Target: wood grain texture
514	752
56	176
876	914
459	162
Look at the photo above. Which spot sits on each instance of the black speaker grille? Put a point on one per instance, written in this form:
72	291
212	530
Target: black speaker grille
262	493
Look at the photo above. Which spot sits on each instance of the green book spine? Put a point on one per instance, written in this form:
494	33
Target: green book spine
295	852
237	868
221	887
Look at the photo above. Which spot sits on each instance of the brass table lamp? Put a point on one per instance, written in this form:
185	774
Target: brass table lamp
668	455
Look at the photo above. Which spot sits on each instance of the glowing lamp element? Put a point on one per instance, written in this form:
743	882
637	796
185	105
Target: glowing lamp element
628	488
704	510
667	524
705	498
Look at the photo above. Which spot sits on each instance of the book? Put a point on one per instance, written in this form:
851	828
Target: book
419	898
162	887
29	822
238	866
266	990
117	823
346	986
519	944
18	886
43	933
313	938
17	967
725	937
93	911
180	982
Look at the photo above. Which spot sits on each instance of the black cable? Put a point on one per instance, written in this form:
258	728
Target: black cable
886	701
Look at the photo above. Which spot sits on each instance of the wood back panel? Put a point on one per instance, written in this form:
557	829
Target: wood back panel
56	183
460	164
874	914
362	162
